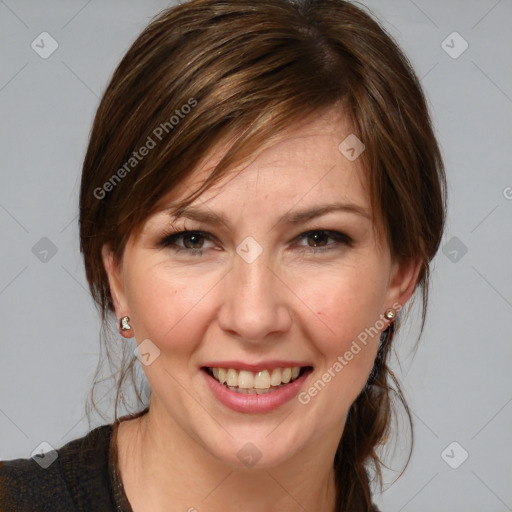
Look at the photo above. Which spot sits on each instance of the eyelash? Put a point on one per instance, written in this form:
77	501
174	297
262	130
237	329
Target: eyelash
169	240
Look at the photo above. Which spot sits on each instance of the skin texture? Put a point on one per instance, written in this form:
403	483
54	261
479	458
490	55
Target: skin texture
291	303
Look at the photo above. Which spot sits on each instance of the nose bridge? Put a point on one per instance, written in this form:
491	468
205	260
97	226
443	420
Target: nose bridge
254	304
252	280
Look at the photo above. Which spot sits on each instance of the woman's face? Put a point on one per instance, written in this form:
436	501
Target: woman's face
292	276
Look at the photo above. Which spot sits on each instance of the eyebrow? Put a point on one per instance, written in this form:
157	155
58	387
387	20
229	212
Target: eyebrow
290	217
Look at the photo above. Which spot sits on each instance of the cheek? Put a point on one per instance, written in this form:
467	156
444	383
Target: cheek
165	305
346	338
348	307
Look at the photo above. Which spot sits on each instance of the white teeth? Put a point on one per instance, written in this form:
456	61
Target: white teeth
223	375
252	391
262	380
275	378
232	378
244	381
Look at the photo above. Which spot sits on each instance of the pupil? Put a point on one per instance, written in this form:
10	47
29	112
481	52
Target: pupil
316	237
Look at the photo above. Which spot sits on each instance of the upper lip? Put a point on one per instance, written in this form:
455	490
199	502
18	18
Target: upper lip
255	367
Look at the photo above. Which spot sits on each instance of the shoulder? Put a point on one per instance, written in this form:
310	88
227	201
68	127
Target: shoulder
77	479
25	485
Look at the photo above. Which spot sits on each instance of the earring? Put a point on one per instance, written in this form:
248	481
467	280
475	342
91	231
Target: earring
124	324
390	314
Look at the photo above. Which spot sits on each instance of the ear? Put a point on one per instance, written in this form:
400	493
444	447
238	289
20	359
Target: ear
402	283
115	280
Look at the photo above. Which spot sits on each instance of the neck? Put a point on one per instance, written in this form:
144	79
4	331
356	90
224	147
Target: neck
162	466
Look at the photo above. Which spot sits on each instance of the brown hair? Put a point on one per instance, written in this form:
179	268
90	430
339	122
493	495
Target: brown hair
208	71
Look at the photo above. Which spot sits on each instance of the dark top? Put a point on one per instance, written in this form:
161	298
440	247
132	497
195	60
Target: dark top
83	478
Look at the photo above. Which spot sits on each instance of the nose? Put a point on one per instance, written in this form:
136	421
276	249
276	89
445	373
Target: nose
255	301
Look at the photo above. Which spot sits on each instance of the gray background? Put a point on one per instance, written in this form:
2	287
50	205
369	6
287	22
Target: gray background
458	383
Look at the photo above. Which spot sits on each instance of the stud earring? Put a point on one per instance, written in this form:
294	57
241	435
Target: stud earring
390	314
124	324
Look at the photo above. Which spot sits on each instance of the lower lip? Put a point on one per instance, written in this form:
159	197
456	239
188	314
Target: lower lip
255	403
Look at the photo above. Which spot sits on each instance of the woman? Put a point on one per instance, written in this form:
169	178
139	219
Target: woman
261	196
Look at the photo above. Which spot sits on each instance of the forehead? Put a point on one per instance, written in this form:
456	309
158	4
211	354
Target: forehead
303	164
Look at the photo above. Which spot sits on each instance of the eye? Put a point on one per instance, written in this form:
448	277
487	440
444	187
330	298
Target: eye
191	241
320	237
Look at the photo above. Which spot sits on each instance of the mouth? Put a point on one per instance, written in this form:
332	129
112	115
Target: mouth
256	383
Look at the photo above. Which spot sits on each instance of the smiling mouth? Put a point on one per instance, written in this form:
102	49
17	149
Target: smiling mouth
257	383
